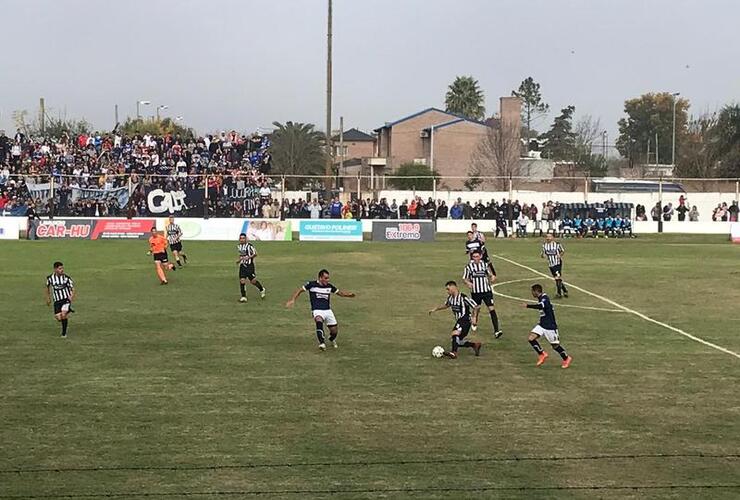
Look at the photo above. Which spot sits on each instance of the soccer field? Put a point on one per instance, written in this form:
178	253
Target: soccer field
181	391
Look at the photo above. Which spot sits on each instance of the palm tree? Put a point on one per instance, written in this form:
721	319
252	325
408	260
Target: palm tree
297	149
464	97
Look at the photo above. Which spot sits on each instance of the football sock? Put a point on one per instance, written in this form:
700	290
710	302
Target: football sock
559	349
559	286
562	287
494	320
333	336
454	343
536	346
243	289
178	262
467	343
320	331
258	285
64	326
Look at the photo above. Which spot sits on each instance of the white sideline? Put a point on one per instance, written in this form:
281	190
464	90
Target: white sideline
589	308
627	309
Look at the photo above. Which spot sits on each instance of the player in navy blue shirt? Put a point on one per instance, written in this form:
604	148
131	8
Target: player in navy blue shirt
319	293
547	327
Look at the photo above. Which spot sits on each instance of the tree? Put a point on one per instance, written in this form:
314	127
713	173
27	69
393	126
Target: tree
726	141
497	155
647	116
413	176
560	140
135	126
587	132
533	107
53	126
464	97
697	156
297	149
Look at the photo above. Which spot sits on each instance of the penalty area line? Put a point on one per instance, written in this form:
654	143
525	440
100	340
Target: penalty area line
627	309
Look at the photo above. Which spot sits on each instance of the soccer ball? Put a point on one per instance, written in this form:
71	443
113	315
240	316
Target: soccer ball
438	352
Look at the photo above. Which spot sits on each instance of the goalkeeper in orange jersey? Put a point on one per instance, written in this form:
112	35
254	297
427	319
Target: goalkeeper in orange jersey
158	248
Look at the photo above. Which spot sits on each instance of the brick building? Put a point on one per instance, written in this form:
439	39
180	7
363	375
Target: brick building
454	138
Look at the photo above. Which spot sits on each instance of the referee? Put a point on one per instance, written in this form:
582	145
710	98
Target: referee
479	277
61	289
553	251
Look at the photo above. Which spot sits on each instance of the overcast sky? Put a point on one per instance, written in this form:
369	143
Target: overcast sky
243	64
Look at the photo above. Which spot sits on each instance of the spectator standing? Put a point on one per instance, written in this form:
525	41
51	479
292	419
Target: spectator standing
335	208
682	210
456	212
442	210
522	222
315	210
694	214
668	212
733	211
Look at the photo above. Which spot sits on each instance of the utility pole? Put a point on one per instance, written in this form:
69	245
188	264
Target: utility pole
42	115
673	147
341	145
329	162
115	112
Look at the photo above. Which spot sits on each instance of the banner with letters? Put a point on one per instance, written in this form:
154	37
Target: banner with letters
122	229
9	228
229	229
384	230
79	229
181	202
330	230
267	230
42	192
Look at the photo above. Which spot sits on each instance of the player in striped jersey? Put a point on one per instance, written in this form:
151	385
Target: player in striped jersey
247	254
462	308
174	238
474	242
479	277
547	327
61	289
553	251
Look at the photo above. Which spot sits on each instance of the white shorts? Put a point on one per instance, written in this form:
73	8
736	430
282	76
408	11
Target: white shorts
551	335
327	314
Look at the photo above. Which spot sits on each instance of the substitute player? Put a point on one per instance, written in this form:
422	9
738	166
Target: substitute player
462	308
174	238
158	248
479	277
547	327
247	254
61	289
319	292
553	251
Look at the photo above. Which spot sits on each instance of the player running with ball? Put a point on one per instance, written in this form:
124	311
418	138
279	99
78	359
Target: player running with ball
320	292
462	308
547	327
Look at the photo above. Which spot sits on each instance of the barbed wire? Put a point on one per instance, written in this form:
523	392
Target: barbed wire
448	460
409	490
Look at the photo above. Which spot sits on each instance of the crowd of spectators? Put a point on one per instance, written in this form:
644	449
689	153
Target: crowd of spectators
237	166
684	211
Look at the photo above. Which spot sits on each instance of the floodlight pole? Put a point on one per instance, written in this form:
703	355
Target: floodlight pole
673	148
329	162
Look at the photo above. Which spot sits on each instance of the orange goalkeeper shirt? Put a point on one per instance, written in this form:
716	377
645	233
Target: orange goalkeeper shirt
158	244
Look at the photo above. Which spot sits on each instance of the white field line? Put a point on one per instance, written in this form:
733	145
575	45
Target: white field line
627	309
560	304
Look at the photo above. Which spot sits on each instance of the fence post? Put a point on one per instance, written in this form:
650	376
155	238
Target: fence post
511	188
282	192
359	188
205	197
660	204
585	189
434	189
52	204
737	191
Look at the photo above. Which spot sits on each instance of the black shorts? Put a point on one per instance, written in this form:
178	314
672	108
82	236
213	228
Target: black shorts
176	247
463	326
247	272
161	257
556	270
482	298
58	305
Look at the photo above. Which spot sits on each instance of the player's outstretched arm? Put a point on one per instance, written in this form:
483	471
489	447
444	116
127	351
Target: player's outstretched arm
345	293
47	295
439	308
533	306
296	294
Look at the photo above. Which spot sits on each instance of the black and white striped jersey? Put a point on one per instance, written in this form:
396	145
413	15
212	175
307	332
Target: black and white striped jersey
174	233
552	250
61	286
478	274
474	244
246	254
461	305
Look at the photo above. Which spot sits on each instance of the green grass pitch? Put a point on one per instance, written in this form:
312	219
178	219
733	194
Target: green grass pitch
181	391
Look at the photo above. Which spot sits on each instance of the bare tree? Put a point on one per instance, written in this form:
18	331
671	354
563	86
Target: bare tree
497	155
